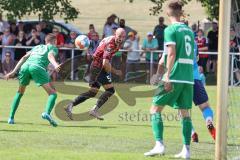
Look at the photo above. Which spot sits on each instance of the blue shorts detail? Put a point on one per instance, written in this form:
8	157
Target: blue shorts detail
199	93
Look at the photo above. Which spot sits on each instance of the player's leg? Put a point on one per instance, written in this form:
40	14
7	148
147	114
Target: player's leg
105	79
15	103
184	104
42	78
157	129
52	96
208	116
186	123
24	79
200	99
160	99
92	92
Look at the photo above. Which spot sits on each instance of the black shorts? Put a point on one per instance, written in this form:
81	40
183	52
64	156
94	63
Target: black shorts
99	77
199	93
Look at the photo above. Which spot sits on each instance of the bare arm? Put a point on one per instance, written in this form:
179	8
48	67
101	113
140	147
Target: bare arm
171	55
19	64
53	61
160	70
108	67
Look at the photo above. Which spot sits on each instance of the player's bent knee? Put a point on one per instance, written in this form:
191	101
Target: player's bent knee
54	95
155	109
92	93
184	113
203	105
111	90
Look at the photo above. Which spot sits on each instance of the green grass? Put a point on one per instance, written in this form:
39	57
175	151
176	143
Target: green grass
31	138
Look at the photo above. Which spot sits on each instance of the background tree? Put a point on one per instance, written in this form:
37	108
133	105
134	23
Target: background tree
47	9
211	6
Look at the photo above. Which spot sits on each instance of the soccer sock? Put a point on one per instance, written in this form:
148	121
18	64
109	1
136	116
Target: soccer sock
83	97
207	114
50	103
193	130
104	97
186	130
15	104
157	126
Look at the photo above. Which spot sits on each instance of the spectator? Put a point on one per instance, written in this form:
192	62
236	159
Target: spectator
133	57
34	39
202	76
13	28
7	40
235	48
40	34
91	32
20	27
126	28
202	47
3	24
20	41
195	29
70	43
1	36
44	27
94	43
149	45
159	32
213	46
107	29
8	63
60	43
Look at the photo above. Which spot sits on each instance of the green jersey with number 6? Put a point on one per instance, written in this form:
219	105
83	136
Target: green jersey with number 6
182	37
39	55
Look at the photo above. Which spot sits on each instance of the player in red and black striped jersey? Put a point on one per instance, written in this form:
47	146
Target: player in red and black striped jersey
99	73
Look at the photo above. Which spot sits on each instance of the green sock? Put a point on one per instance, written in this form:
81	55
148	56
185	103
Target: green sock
186	130
15	104
157	126
50	103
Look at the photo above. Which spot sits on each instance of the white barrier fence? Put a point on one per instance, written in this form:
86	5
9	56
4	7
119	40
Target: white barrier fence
233	58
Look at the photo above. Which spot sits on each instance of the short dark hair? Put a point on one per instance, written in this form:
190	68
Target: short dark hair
175	8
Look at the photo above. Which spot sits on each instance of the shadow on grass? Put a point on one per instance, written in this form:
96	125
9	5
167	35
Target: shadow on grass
145	125
8	130
100	127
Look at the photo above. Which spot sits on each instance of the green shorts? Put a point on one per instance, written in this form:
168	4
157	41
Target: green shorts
180	97
29	71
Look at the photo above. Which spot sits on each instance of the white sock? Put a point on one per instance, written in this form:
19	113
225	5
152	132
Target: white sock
159	143
186	148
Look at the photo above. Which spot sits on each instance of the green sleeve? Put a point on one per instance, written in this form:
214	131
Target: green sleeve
53	50
169	36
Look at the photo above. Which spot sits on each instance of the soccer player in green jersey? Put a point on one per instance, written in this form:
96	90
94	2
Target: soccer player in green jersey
177	87
34	66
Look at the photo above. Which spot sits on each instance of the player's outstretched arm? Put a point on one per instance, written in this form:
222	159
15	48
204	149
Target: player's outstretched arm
108	67
53	61
19	64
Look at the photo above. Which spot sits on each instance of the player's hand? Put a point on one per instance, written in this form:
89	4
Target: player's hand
167	86
119	73
57	68
155	79
9	75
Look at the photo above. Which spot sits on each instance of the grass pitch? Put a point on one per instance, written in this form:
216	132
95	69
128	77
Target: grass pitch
125	134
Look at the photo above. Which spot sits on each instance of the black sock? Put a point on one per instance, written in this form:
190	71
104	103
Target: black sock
104	97
84	96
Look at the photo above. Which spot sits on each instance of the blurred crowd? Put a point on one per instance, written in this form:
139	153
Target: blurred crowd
129	61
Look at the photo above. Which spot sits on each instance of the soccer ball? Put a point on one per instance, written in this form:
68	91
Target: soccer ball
82	42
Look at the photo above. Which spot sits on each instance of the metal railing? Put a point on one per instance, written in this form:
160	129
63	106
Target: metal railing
233	69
